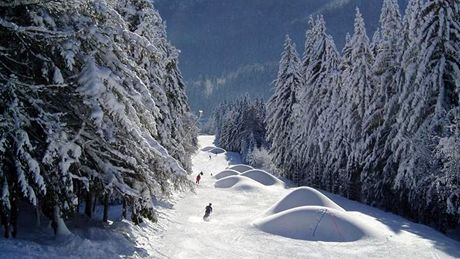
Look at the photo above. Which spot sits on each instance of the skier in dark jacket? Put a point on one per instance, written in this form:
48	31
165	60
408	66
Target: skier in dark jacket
207	212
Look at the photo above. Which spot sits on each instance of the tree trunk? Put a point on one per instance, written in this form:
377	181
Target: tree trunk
37	216
106	208
58	223
14	217
78	196
89	204
124	210
94	203
134	216
5	223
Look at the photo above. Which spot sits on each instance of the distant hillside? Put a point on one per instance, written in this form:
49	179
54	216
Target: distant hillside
232	47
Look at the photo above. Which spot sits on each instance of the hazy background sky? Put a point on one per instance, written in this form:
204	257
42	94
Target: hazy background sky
232	47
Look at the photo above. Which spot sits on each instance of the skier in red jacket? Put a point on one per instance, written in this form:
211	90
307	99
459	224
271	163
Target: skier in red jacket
198	177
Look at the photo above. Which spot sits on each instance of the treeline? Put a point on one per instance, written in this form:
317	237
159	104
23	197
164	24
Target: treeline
209	92
239	126
379	123
92	108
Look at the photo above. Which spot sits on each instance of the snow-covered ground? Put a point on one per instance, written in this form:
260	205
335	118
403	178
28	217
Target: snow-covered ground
232	231
254	217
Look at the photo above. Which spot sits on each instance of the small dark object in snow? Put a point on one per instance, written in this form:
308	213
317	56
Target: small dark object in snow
207	212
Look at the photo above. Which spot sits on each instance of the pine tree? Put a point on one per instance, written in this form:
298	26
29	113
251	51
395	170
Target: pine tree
386	68
241	126
358	86
314	102
85	110
430	94
280	107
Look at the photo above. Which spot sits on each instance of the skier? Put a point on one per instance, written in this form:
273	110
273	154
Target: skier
209	157
198	177
207	212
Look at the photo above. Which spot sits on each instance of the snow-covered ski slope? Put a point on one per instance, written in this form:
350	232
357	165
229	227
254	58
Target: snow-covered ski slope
251	219
234	230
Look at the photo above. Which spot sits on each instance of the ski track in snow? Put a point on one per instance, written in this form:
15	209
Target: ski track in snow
230	233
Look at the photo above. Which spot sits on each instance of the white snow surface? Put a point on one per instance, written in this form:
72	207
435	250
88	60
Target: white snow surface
302	196
225	173
317	223
237	182
238	228
262	177
89	238
231	234
241	168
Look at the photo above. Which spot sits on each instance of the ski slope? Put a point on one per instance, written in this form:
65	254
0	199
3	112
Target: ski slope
234	229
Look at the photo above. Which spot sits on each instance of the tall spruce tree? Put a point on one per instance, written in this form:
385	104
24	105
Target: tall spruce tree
386	69
280	107
358	83
84	108
430	97
314	101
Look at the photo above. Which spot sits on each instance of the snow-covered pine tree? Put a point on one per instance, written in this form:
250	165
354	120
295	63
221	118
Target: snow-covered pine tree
186	131
379	185
376	38
143	104
388	49
386	68
39	131
336	158
307	57
218	118
322	75
241	126
447	185
430	95
358	86
87	113
162	68
280	108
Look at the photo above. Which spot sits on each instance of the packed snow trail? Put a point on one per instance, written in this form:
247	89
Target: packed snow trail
231	234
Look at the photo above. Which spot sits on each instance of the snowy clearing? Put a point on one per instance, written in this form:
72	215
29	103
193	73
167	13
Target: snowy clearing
231	232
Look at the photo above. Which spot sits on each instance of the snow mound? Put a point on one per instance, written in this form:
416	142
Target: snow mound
225	173
303	196
248	186
241	168
217	150
207	148
315	223
262	177
237	182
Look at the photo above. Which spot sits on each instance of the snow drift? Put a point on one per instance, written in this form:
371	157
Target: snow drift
315	223
241	168
303	196
207	148
225	173
238	183
217	150
262	177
